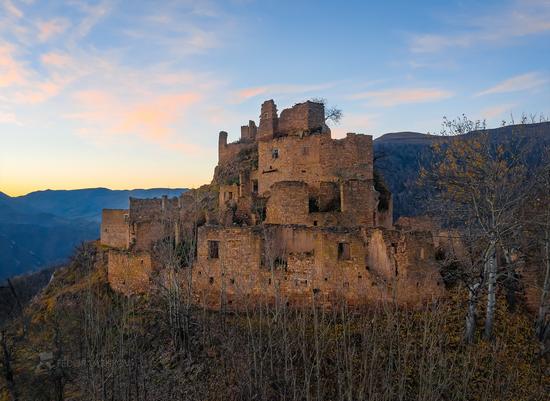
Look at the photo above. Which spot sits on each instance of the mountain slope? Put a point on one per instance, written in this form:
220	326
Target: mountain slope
88	203
400	155
42	228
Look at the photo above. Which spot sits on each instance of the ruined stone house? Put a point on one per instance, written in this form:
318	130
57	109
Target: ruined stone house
293	215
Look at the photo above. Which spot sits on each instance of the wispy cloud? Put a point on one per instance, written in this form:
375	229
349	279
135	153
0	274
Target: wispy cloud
93	14
279	89
50	28
9	118
393	97
105	96
12	9
106	115
12	72
518	83
496	111
522	18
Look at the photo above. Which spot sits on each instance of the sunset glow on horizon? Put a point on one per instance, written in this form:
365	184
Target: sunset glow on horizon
130	95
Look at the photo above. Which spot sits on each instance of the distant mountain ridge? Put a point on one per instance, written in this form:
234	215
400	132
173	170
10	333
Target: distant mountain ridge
43	227
88	203
399	156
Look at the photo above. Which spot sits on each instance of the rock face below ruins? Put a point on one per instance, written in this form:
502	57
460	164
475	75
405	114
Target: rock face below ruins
291	214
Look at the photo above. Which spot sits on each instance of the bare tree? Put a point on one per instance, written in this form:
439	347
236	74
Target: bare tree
480	186
332	113
537	216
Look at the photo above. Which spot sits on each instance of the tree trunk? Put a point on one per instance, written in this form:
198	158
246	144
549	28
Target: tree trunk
470	327
491	271
8	370
511	284
542	325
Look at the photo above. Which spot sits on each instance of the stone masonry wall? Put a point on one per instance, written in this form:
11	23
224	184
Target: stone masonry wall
114	228
129	273
302	118
288	203
269	121
359	200
313	159
229	151
356	265
248	132
151	220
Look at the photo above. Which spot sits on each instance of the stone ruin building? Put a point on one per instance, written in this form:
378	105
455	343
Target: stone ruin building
291	214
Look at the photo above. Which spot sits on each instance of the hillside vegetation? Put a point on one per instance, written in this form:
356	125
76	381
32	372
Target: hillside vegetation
98	345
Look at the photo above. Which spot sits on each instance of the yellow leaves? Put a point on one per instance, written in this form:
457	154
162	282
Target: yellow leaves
4	395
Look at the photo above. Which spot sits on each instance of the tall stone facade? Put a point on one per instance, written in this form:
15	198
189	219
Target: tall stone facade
293	214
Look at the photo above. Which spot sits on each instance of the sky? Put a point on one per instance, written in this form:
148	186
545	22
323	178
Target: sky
132	94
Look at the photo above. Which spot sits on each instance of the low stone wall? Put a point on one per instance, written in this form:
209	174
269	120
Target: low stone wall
129	272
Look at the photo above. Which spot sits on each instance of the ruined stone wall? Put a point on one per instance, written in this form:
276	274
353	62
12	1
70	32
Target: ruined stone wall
227	194
114	228
288	203
359	201
151	220
407	260
295	263
328	199
417	223
234	272
129	272
269	121
314	159
227	152
248	132
151	209
289	159
145	233
384	217
349	157
302	118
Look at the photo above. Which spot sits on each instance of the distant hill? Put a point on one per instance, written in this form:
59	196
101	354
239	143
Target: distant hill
88	203
399	156
43	227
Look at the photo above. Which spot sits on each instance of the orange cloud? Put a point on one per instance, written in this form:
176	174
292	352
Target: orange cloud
280	89
11	72
393	97
152	120
39	93
251	92
54	59
48	29
106	116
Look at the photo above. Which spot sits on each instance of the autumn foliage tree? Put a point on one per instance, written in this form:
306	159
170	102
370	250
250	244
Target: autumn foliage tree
481	185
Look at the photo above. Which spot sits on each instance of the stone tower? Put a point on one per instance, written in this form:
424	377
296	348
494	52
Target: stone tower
269	121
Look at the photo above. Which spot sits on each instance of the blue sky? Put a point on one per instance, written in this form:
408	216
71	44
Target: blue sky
129	94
